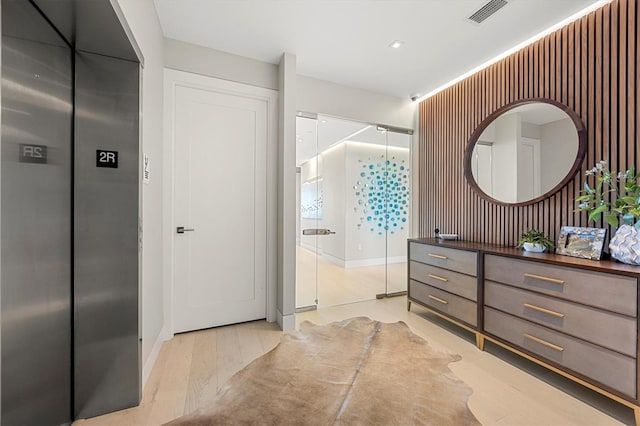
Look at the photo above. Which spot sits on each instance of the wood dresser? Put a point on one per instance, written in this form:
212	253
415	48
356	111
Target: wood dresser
577	317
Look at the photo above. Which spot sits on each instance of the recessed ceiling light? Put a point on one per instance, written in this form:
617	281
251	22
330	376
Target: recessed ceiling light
323	121
396	43
300	140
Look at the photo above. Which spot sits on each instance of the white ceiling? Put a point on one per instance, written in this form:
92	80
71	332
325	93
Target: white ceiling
346	41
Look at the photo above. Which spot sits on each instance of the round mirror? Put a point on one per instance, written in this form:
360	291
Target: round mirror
525	152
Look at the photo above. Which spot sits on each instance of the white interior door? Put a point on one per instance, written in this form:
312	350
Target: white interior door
482	167
528	169
220	187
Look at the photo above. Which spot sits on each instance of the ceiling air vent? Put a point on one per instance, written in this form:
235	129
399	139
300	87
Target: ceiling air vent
487	10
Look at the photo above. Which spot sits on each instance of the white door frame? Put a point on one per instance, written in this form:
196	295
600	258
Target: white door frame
172	80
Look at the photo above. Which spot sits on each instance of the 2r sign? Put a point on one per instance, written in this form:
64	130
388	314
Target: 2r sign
33	153
107	159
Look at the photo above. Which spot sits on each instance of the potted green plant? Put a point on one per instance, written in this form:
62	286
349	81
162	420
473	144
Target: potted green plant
535	240
617	197
614	195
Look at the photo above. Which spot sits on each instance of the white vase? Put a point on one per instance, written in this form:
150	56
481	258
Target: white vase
534	247
625	245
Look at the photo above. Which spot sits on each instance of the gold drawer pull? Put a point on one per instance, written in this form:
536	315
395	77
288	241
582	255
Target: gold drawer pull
546	311
435	277
437	256
437	299
544	342
538	277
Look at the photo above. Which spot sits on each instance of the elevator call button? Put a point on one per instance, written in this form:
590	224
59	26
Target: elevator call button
107	159
33	153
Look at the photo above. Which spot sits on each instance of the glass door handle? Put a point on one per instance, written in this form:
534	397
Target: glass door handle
317	231
182	229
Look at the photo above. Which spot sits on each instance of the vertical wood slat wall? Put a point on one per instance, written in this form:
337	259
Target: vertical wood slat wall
591	65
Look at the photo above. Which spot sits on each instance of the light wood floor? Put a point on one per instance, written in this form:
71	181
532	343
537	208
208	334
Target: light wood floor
338	285
507	389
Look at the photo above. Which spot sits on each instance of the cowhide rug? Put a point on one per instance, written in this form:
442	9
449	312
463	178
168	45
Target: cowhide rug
356	371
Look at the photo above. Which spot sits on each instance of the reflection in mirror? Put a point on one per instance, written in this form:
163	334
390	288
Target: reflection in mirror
525	152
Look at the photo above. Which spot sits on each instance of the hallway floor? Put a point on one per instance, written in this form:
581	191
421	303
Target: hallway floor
507	389
338	285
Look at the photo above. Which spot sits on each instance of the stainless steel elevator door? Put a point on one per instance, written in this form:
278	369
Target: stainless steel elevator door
106	338
36	219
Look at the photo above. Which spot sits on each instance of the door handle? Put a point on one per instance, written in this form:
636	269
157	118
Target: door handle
182	229
317	231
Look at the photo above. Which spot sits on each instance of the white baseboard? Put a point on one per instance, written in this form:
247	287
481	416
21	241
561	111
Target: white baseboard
358	263
153	357
334	260
309	247
374	261
286	322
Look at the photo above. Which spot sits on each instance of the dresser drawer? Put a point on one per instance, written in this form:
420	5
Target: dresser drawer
607	367
611	292
447	303
444	257
453	282
613	331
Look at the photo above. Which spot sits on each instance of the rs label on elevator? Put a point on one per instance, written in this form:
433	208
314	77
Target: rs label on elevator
107	159
33	153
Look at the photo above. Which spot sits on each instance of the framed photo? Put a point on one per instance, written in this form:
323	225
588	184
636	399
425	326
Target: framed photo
581	242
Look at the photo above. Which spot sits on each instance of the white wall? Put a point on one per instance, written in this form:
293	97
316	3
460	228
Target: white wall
333	185
189	57
528	161
558	147
141	17
505	157
286	197
324	97
530	130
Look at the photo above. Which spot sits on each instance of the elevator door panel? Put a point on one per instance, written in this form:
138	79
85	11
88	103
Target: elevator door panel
106	344
36	219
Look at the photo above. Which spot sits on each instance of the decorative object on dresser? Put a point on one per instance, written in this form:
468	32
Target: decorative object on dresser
581	242
615	195
576	317
448	236
534	240
625	245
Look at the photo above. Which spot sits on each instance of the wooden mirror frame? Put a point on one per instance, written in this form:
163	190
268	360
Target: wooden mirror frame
582	149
